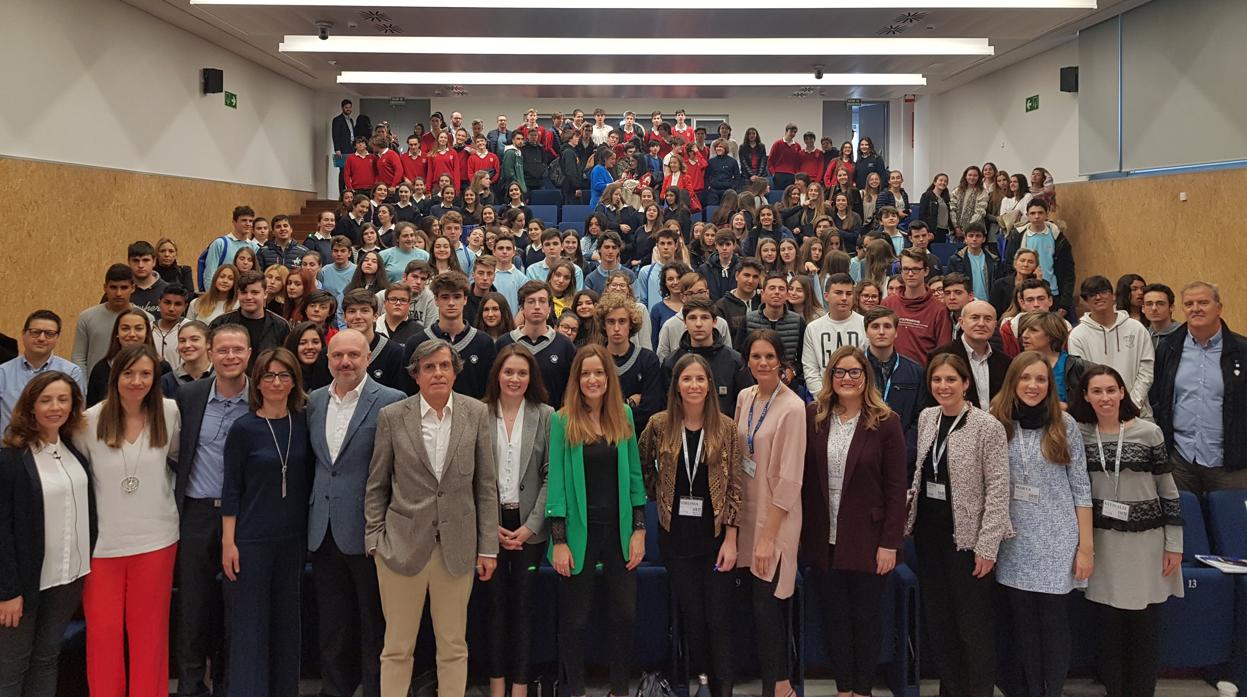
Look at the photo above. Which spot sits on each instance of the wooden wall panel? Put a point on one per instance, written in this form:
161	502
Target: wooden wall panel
64	224
1140	226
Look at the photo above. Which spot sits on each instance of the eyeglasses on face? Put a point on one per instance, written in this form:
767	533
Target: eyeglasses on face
851	373
277	377
44	333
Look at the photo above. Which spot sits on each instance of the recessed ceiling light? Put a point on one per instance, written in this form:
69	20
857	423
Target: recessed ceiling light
713	5
628	79
581	46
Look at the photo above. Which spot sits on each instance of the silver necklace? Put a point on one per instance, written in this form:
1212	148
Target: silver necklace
283	459
130	482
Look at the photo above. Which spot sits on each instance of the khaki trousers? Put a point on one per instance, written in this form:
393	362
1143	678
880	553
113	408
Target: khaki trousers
402	602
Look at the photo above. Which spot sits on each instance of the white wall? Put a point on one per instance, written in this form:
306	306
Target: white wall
986	120
768	115
98	82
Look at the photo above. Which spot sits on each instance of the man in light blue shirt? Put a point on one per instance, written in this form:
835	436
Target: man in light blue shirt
223	249
335	277
648	285
39	335
508	277
552	247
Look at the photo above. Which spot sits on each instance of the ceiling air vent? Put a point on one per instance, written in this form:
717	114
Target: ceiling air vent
389	29
891	30
910	18
374	16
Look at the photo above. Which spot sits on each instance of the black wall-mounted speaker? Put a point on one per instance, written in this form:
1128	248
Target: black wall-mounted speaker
214	81
1069	79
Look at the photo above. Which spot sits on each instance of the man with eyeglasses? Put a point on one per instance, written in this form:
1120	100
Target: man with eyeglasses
395	323
208	408
987	367
1109	336
39	335
922	321
359	311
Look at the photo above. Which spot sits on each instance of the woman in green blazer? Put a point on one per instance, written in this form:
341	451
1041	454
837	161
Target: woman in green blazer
595	501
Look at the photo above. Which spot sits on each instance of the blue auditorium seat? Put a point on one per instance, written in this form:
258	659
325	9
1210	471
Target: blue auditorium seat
574	213
548	214
774	196
1197	630
578	226
1227	514
709	212
545	197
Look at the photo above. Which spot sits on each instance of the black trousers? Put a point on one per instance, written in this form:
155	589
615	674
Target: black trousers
511	606
264	621
352	626
770	629
960	617
704	600
29	652
1041	639
576	601
1129	650
781	181
201	626
851	626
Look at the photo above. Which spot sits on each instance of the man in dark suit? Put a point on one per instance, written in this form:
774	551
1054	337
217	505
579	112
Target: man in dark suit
342	129
208	408
342	418
987	367
432	517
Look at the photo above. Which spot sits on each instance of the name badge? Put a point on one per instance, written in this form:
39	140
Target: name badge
1025	492
835	482
751	467
722	389
1116	510
937	491
691	507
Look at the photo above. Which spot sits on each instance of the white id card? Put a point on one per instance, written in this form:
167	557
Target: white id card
1025	492
691	507
751	467
937	491
1116	510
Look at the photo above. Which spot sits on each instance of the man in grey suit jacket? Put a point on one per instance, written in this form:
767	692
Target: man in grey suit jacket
342	418
431	511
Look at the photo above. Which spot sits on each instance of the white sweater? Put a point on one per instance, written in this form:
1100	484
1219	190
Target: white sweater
1126	346
822	337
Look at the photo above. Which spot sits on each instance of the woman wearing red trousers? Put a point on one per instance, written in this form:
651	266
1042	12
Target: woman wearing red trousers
131	437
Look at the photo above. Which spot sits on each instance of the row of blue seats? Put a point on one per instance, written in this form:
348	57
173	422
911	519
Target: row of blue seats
1206	628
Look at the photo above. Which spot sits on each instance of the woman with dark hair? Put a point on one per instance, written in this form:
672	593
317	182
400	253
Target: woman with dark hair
968	202
562	283
1129	294
853	506
494	317
770	418
596	508
844	185
516	398
193	350
959	516
1051	552
264	500
245	260
845	220
307	342
1048	333
868	161
584	304
1138	530
753	156
791	206
935	207
675	208
672	298
1012	211
696	483
1043	186
130	438
767	227
369	274
514	201
612	211
599	178
48	516
895	195
131	328
843	160
298	285
383	230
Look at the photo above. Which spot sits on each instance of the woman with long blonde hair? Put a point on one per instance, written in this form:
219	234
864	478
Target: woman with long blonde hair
220	297
853	516
696	481
1052	550
596	508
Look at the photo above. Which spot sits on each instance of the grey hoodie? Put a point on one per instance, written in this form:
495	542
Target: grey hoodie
1125	345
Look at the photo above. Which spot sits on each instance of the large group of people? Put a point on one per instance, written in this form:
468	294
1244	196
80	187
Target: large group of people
435	389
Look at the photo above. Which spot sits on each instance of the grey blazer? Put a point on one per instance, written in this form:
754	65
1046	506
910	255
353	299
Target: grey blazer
338	488
534	467
409	513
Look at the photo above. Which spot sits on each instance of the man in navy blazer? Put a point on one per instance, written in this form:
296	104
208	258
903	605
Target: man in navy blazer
342	418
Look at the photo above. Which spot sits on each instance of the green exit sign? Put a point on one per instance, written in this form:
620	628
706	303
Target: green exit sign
231	100
1032	103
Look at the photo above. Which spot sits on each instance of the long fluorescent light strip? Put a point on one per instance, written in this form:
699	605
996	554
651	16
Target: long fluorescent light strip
630	79
580	46
688	4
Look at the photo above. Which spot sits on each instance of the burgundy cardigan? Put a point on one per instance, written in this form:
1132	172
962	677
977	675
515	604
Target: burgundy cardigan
872	503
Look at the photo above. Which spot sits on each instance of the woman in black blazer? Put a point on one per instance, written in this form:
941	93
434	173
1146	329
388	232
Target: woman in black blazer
40	468
855	478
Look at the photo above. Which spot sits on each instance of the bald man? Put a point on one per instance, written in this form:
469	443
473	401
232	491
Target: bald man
342	417
987	367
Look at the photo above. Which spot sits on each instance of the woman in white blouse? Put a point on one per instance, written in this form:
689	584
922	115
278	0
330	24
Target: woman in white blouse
46	526
1012	212
517	401
131	437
